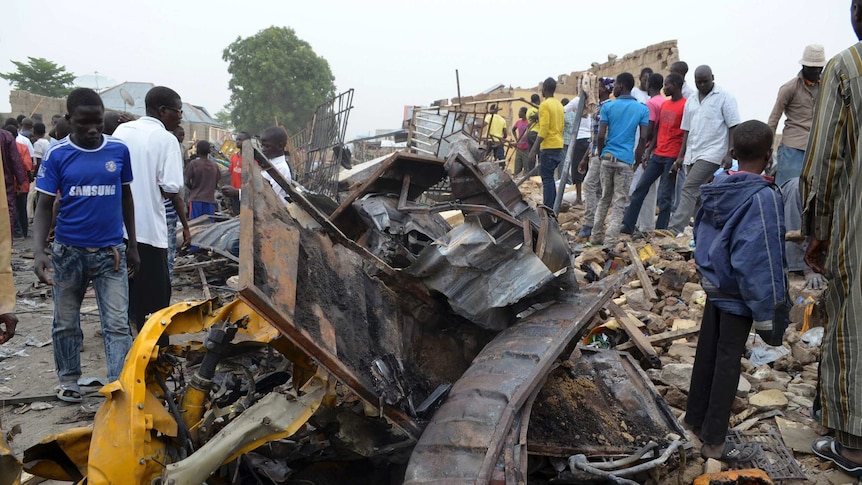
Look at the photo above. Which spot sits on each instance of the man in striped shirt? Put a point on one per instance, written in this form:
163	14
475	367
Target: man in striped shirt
831	189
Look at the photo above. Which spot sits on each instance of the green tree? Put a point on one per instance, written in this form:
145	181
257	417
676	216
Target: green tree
223	117
275	76
41	76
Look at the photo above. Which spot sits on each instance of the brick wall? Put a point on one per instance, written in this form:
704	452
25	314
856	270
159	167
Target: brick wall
25	103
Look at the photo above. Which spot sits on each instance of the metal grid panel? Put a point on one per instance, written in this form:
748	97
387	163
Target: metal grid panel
774	458
431	127
313	165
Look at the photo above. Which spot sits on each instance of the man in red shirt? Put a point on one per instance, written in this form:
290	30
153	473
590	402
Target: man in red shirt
666	145
236	172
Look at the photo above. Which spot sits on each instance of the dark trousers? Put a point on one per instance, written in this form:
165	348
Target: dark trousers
150	289
21	212
715	376
532	136
658	166
581	146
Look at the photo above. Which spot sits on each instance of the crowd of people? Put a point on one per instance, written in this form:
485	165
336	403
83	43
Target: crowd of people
105	196
659	154
106	199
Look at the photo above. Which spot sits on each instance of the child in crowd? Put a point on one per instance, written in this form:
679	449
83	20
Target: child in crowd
740	257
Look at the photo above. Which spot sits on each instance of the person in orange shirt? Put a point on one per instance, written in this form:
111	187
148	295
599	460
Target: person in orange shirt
236	172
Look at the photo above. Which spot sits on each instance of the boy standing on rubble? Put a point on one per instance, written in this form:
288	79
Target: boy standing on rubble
93	173
740	258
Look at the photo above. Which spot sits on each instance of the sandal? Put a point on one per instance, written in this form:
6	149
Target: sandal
69	393
828	448
733	453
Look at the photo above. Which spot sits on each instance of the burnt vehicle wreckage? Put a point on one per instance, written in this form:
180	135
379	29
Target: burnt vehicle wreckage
372	342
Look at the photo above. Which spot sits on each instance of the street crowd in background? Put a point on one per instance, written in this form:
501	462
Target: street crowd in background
103	195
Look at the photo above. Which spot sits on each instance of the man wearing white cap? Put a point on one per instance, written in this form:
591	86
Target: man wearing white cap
796	101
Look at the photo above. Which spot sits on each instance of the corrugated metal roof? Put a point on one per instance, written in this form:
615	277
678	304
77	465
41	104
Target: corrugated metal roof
138	91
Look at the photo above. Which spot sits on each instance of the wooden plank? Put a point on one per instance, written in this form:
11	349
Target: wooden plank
204	285
663	337
629	324
644	278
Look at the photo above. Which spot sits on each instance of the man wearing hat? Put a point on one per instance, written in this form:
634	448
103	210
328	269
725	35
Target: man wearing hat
796	101
496	132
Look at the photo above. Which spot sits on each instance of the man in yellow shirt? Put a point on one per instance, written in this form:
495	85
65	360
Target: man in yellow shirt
496	132
550	140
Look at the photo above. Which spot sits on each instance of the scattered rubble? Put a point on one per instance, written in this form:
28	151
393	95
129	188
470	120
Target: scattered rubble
488	265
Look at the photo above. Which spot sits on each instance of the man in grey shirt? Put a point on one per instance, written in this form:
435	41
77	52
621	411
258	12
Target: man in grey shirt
708	122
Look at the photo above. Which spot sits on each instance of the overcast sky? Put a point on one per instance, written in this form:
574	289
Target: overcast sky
396	53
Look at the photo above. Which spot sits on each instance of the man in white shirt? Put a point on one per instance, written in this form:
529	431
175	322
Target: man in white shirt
708	121
24	135
157	165
272	143
641	91
40	147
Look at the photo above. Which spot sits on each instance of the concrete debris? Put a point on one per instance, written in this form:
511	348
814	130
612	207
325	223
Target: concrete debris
769	399
677	375
421	266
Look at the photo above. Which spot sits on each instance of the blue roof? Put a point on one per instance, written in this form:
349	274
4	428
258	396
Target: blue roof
138	91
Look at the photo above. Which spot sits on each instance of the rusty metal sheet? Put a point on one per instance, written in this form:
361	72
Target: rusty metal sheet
462	442
339	304
387	178
219	237
480	277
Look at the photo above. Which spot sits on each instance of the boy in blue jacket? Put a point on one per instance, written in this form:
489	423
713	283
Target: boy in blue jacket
740	257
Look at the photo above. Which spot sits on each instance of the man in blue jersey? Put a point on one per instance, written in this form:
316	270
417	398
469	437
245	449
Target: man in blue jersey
92	173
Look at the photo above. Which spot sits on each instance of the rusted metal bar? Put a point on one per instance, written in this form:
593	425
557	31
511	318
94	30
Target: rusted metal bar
405	189
565	167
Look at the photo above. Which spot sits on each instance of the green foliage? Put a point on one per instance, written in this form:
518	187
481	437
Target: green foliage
275	76
224	118
41	76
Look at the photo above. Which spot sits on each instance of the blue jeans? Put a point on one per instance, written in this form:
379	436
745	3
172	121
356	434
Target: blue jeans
789	164
74	268
499	152
548	160
172	220
658	167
